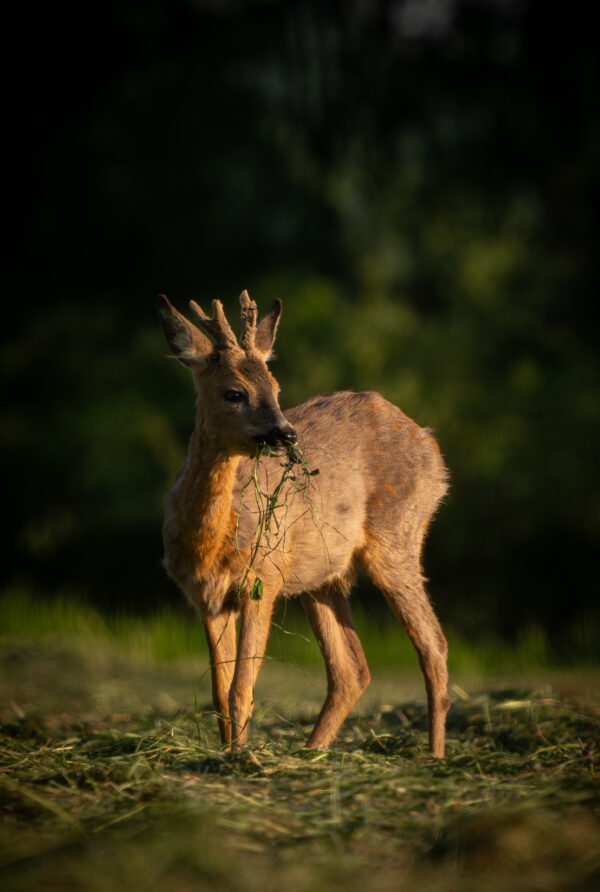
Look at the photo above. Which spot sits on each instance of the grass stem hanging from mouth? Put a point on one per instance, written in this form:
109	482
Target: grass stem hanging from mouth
295	470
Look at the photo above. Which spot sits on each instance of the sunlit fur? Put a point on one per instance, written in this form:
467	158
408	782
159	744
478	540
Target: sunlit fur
380	479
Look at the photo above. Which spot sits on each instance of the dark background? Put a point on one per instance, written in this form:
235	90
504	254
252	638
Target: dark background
418	181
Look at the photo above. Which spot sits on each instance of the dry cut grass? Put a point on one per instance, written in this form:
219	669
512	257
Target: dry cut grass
112	778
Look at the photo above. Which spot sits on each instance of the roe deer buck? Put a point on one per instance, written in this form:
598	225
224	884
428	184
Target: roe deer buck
380	480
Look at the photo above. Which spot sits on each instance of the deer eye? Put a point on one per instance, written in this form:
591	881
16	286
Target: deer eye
235	396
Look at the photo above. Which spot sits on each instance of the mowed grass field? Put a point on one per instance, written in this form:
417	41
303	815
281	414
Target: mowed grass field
112	776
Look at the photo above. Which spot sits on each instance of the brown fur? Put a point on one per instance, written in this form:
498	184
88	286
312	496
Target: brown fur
380	480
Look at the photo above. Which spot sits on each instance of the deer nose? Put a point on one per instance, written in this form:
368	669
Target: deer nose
280	435
284	434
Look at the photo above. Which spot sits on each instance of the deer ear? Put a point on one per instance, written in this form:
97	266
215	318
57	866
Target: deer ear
266	330
187	343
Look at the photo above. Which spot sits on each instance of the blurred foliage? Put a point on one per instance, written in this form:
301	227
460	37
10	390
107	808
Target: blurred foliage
419	183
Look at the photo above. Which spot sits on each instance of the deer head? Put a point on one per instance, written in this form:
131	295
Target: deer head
238	397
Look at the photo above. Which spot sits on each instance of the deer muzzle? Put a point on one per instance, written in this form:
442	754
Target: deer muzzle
279	437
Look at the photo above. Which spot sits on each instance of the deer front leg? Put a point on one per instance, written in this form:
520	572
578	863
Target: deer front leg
255	623
220	635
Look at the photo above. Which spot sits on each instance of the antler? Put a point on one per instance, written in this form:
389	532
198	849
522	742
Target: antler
249	317
218	327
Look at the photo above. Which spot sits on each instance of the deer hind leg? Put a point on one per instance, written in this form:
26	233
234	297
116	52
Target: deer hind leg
413	608
220	635
404	591
255	623
347	671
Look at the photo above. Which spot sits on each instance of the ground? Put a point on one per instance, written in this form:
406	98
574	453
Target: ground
112	778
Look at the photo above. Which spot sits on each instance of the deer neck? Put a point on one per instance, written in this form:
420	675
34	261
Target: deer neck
205	514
